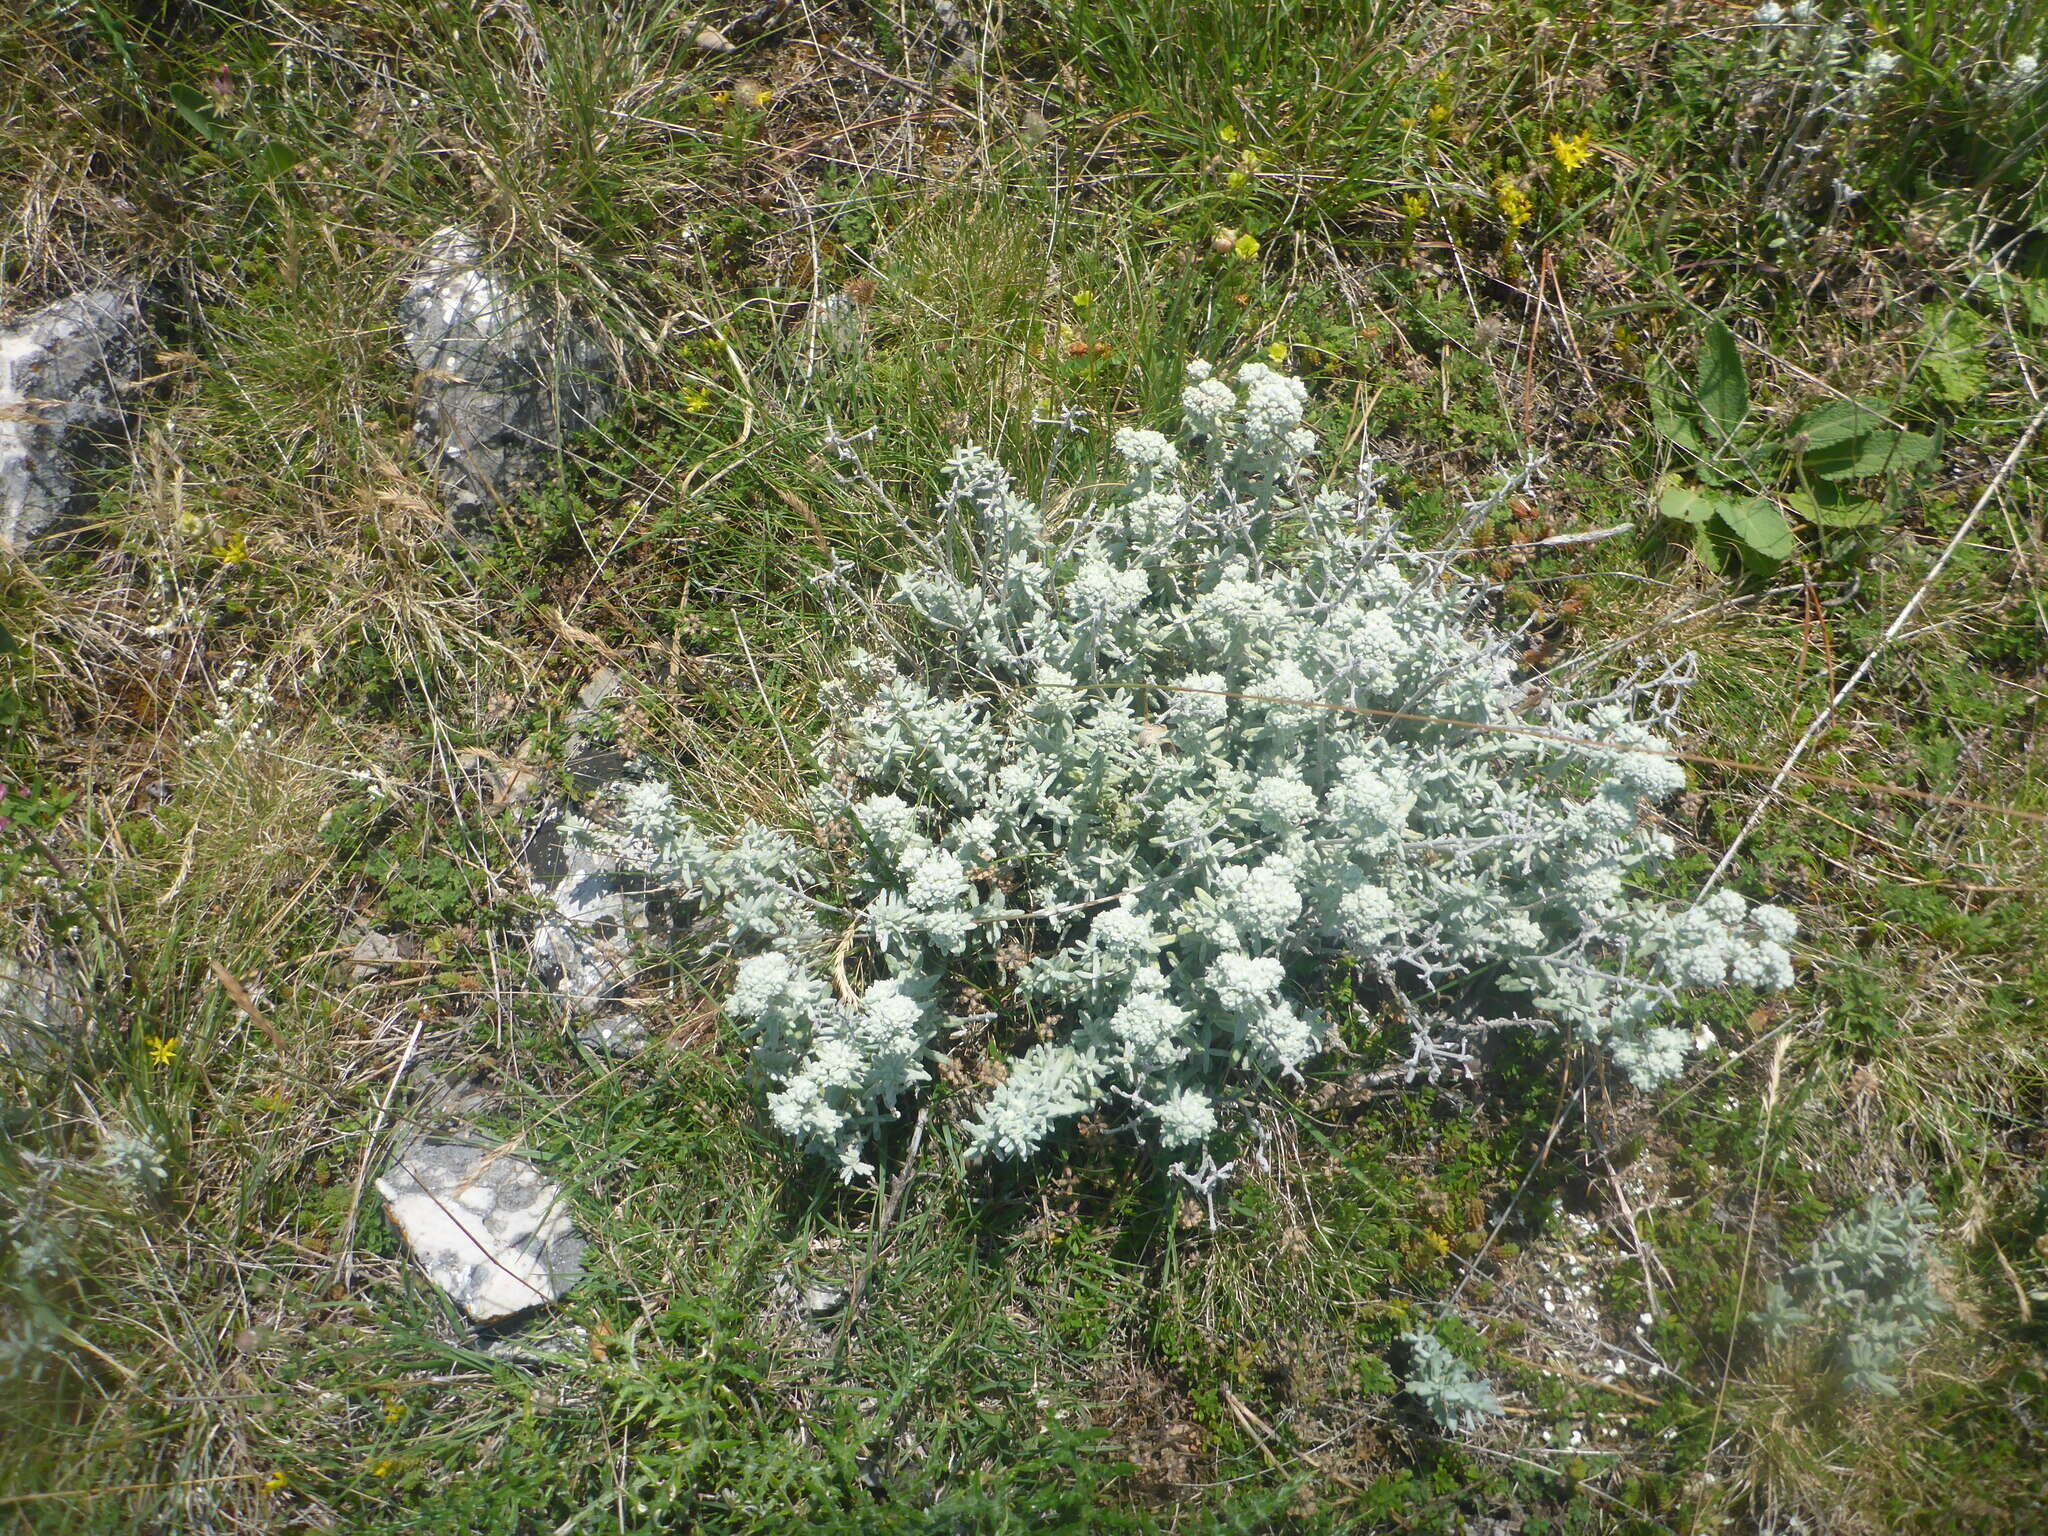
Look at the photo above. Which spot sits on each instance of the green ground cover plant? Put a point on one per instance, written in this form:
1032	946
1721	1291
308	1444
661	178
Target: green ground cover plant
263	707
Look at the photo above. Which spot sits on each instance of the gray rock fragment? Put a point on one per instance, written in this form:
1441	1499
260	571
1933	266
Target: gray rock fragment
614	1034
380	955
598	912
584	945
821	1301
591	697
44	1021
64	374
491	1230
503	379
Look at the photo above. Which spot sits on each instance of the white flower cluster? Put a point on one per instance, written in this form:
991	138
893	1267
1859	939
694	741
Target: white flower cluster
1138	786
241	716
1802	33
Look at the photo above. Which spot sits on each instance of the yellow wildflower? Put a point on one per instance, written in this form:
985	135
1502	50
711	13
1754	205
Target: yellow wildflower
1277	352
277	1482
383	1466
1245	248
162	1050
1413	207
763	96
394	1410
1083	297
1227	134
1572	153
1439	113
1235	180
696	401
234	552
1513	202
720	98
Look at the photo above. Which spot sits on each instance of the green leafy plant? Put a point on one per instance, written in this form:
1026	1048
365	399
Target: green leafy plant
1952	357
1744	482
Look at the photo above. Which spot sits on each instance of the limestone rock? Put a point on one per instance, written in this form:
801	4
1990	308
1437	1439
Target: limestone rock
597	914
592	696
491	1230
504	380
614	1034
62	405
43	1017
377	956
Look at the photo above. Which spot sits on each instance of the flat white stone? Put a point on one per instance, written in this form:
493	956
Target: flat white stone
491	1230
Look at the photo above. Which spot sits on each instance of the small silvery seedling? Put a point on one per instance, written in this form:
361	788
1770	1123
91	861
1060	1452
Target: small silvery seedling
1455	1399
1866	1282
1131	788
136	1163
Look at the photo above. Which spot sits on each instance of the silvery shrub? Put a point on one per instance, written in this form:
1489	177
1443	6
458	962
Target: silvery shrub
1133	785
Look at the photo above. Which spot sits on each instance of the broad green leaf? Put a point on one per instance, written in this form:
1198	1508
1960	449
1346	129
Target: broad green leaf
1756	562
1755	521
1832	512
1687	503
1758	525
1723	387
1832	422
199	116
1882	450
274	159
1952	355
1670	412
